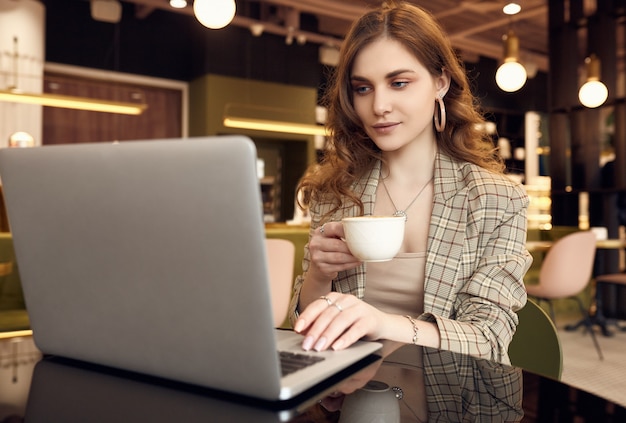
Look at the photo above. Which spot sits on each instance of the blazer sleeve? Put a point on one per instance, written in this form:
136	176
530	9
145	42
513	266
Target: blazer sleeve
476	313
306	262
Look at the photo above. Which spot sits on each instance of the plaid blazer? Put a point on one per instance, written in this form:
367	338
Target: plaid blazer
476	257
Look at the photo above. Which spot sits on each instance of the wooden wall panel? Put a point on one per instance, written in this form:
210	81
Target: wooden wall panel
162	118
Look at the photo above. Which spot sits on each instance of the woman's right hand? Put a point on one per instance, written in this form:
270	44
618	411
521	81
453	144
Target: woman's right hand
329	252
329	255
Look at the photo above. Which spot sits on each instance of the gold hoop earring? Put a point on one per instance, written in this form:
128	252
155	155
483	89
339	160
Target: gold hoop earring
440	117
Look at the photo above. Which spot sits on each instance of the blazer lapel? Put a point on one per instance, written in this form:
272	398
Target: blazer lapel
446	236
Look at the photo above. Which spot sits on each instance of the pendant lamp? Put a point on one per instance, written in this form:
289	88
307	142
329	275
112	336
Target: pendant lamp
214	14
511	75
593	93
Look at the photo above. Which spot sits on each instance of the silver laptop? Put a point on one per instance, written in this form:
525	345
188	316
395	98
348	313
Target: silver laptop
149	256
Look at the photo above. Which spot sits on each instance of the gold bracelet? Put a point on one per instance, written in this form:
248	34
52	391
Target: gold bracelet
415	328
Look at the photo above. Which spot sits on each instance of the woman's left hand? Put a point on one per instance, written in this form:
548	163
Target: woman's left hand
337	321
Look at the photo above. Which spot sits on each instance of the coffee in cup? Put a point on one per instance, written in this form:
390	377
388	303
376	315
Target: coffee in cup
374	238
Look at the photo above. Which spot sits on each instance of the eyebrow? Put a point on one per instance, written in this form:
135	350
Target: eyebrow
390	75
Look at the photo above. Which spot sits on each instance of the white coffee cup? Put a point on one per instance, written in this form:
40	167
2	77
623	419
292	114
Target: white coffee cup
374	238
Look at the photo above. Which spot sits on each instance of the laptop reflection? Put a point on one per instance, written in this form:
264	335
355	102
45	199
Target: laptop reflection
64	391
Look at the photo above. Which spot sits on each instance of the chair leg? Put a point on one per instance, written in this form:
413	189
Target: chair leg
600	319
589	325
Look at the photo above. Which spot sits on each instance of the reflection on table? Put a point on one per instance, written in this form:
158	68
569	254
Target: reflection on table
63	390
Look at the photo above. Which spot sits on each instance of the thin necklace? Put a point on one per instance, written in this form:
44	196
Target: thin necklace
403	212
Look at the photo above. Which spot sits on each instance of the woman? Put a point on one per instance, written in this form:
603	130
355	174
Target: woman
406	140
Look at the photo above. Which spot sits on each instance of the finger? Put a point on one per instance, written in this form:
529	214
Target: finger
332	403
331	251
352	322
339	232
356	331
315	320
331	270
311	313
325	245
328	229
328	244
331	256
329	325
343	331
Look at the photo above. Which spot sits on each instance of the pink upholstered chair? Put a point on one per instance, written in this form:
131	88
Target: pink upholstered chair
565	272
280	255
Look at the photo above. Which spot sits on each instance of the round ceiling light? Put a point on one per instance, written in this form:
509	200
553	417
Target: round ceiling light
214	14
511	76
593	94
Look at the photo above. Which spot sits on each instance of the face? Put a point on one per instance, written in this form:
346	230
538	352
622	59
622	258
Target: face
394	95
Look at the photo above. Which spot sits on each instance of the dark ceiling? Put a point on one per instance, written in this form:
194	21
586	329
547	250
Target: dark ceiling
476	27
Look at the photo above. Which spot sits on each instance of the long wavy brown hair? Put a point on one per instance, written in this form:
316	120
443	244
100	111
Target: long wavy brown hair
350	153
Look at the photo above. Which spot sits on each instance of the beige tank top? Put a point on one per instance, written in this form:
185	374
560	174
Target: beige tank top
397	286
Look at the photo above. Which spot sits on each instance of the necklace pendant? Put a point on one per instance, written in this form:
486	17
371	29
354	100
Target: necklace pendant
400	213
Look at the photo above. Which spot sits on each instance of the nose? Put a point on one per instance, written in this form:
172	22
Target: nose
382	104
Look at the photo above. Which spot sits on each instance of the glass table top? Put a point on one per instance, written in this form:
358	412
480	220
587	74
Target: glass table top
34	388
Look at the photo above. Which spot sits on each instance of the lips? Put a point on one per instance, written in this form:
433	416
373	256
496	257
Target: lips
384	128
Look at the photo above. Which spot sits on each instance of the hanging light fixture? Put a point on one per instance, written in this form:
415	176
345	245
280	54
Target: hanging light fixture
274	126
214	14
511	75
259	118
593	93
72	102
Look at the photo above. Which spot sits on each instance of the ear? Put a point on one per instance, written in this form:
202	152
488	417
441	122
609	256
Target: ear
442	83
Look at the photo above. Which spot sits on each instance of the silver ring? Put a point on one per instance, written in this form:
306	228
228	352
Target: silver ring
338	307
322	229
328	300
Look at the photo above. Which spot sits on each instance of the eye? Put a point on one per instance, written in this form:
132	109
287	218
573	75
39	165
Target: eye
361	89
399	84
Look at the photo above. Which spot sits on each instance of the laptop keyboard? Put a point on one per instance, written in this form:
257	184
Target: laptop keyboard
291	362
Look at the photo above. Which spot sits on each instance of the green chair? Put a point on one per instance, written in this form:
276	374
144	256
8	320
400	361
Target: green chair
536	345
13	315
